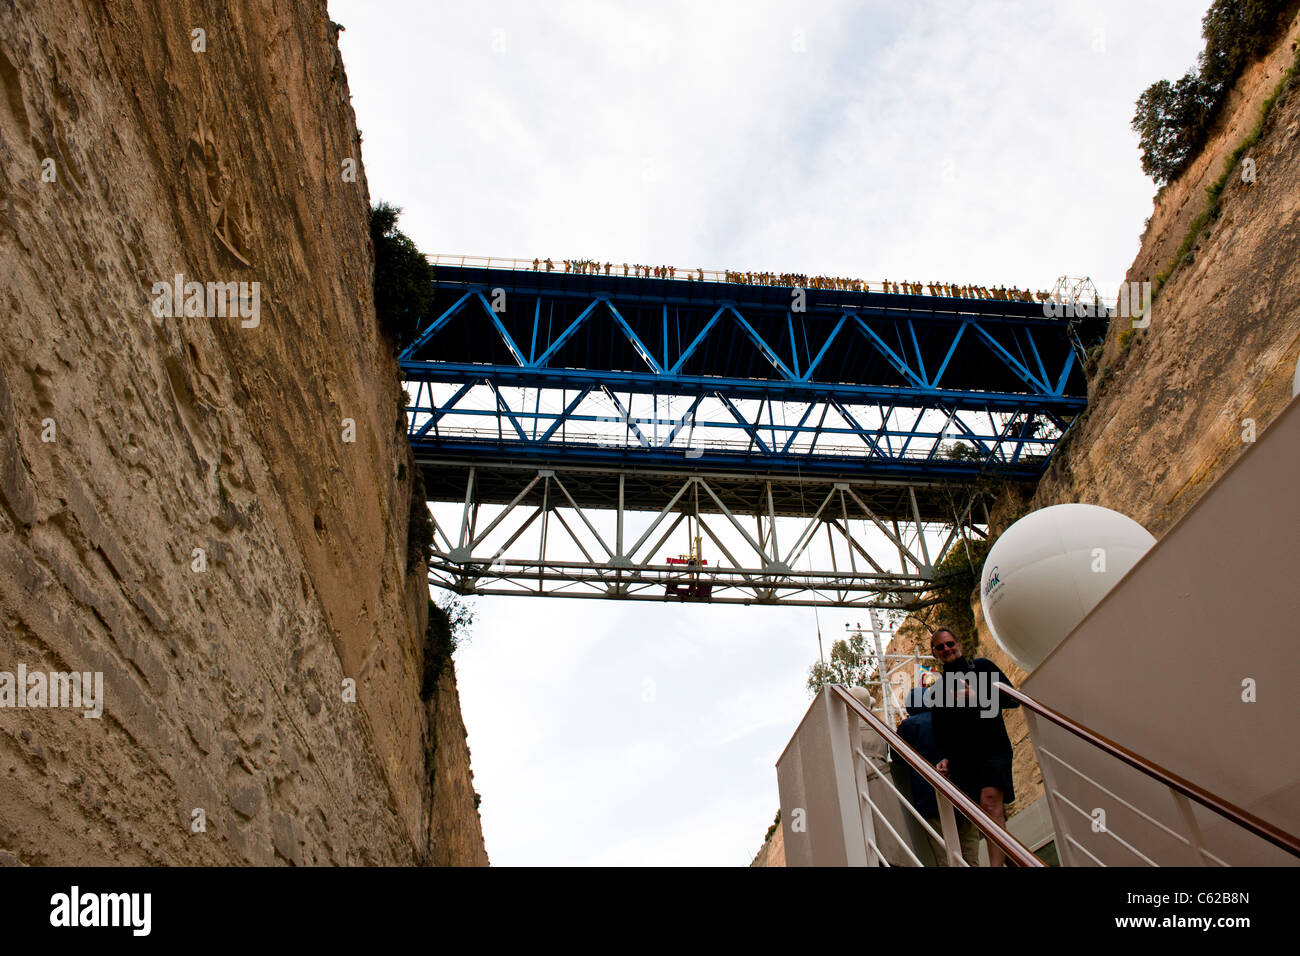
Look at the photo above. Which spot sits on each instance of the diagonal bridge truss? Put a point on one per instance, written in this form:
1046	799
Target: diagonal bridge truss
545	540
658	439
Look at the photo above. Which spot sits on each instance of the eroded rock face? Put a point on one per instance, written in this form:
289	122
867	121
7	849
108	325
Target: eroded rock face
455	837
204	508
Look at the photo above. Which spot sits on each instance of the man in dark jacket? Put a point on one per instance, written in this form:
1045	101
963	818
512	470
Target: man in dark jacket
970	738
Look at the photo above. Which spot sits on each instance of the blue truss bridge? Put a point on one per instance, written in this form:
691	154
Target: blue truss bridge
561	392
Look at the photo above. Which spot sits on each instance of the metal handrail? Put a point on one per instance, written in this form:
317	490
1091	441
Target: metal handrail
904	802
1015	851
1137	811
762	277
697	442
1261	828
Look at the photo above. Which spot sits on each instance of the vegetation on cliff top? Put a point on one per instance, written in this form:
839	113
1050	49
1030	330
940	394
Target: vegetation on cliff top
403	287
955	577
1173	120
403	277
1214	193
772	829
448	628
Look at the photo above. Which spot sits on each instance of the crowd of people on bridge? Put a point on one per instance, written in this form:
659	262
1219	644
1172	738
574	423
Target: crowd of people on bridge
592	267
794	280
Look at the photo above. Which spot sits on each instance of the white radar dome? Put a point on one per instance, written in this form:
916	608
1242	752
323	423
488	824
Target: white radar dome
1049	569
1295	382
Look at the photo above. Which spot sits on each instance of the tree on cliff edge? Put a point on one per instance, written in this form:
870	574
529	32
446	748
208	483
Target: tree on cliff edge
403	277
1173	120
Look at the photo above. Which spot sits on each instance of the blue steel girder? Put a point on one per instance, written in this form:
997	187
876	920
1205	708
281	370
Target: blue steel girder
649	383
591	434
896	353
898	338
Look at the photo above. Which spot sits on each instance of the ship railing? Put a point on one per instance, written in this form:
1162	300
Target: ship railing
949	797
1182	791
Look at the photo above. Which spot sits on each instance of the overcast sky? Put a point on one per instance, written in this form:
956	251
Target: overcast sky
970	143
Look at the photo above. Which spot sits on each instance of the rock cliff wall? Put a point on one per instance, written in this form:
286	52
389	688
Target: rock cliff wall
209	509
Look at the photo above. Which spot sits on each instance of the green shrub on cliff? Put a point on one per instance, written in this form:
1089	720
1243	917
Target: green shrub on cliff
772	829
439	642
955	577
448	628
1173	120
403	277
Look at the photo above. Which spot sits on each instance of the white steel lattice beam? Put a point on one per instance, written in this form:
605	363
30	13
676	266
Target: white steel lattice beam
696	547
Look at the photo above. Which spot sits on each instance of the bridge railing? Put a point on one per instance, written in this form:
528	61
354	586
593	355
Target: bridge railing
689	445
629	269
558	265
698	274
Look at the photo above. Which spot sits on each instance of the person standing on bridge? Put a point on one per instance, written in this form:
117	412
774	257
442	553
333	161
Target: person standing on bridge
970	737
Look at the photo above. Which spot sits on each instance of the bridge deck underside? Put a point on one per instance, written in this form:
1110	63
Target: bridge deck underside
643	490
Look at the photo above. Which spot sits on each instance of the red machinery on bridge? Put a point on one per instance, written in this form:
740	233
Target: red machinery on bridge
688	586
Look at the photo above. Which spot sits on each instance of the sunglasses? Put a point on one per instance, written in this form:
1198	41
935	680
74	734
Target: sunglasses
941	644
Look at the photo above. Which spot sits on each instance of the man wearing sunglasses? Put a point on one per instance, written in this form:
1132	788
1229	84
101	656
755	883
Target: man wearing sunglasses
970	736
